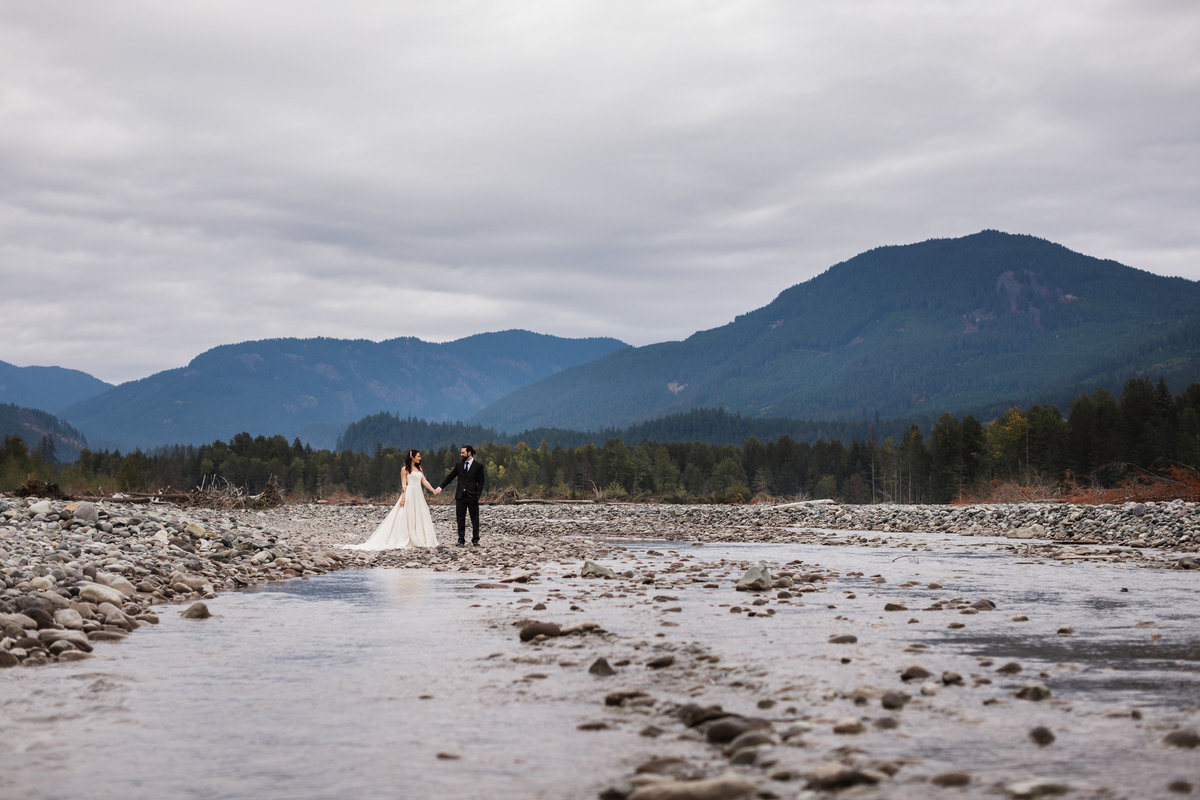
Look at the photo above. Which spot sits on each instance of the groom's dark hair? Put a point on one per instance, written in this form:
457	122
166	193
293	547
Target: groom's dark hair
469	449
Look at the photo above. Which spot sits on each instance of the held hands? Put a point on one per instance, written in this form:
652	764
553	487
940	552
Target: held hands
437	491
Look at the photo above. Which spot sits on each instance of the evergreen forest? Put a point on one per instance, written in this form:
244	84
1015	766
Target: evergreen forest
1145	433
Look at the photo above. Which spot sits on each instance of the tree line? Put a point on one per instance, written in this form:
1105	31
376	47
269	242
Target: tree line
1101	440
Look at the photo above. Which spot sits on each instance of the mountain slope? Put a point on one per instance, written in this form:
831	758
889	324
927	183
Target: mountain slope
312	388
970	324
47	388
35	428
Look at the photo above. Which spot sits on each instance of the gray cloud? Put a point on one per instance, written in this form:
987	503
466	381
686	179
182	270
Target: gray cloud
181	175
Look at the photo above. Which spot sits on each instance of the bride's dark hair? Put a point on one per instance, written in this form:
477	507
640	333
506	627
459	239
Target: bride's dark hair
408	460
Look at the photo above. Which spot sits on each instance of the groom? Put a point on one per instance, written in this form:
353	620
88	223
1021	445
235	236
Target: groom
469	474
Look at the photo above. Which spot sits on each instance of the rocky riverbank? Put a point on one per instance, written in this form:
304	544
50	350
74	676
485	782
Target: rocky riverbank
74	574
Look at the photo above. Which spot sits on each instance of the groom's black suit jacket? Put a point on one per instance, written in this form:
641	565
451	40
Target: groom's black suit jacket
470	481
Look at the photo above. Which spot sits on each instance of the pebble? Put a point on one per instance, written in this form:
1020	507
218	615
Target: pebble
835	775
602	668
1183	738
1036	787
1041	736
951	779
1033	691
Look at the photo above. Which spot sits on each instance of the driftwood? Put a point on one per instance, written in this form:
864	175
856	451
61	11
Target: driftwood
32	487
176	498
803	503
215	493
540	501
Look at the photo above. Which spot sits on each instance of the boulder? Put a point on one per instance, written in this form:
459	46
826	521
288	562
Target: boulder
756	579
84	512
196	611
593	570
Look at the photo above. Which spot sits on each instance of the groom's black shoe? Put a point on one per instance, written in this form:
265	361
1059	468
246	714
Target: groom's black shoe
462	543
475	543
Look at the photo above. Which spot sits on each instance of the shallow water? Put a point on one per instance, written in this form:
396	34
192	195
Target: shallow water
353	683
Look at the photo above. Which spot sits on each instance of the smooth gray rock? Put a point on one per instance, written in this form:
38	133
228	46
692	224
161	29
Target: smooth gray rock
78	638
15	625
118	582
99	593
85	512
756	579
593	570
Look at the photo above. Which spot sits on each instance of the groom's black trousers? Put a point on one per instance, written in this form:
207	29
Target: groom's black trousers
463	505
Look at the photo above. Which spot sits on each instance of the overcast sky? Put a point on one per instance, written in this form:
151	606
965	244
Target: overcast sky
179	175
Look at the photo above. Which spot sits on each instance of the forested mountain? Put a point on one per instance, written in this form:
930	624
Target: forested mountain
52	438
969	325
47	388
313	388
710	426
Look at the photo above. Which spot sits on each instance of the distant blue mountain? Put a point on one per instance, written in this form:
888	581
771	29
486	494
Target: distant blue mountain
48	389
312	389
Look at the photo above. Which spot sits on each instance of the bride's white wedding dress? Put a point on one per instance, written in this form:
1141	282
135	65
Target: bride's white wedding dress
407	525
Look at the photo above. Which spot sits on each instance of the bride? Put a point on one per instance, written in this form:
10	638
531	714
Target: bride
409	523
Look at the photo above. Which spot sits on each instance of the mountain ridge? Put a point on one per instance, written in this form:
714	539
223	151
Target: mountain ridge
50	389
967	325
312	388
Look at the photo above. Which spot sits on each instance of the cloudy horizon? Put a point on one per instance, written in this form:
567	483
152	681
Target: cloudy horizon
184	175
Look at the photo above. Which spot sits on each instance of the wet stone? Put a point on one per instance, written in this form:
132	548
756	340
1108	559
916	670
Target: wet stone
601	668
622	696
1186	738
1033	691
196	611
534	629
726	729
693	715
1041	736
834	775
849	725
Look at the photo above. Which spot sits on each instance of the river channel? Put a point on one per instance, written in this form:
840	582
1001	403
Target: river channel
382	683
